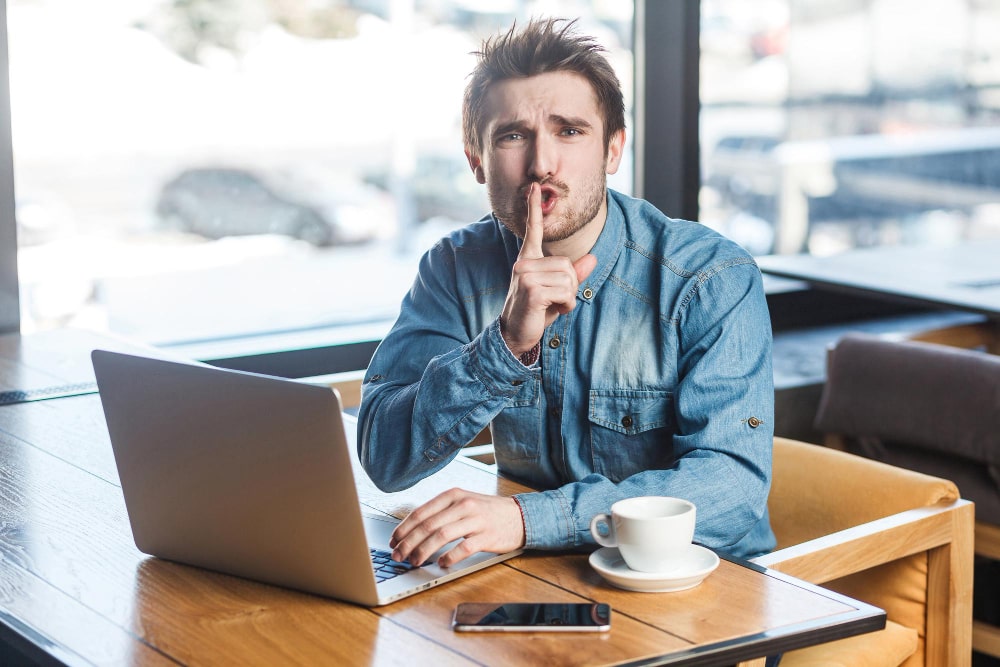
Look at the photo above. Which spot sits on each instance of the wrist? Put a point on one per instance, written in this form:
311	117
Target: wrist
514	345
529	357
524	526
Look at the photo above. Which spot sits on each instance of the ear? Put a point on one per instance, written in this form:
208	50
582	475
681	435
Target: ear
477	166
615	149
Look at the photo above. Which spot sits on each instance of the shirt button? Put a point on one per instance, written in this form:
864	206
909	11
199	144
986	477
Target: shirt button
555	342
554	412
627	421
753	422
588	294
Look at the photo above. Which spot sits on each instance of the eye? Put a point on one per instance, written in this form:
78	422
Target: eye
510	137
572	132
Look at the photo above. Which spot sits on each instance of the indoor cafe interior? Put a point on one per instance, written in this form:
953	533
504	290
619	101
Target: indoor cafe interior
265	309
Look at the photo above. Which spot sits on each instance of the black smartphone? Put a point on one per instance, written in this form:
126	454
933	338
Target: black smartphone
532	617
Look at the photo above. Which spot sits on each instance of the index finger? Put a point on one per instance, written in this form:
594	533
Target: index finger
533	227
413	523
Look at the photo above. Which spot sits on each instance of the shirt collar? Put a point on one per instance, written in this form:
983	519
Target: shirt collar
609	245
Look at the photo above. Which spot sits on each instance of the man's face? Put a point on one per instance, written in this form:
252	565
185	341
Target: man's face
547	129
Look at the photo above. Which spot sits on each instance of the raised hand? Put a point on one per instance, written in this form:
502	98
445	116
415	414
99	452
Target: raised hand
541	288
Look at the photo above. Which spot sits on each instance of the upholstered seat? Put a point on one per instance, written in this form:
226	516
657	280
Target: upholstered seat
895	538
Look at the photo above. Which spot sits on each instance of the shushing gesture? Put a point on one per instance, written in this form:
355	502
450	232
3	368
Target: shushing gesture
541	288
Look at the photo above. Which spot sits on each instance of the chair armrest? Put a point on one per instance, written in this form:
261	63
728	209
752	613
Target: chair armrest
874	543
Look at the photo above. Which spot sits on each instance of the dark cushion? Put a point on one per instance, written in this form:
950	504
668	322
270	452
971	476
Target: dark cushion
907	403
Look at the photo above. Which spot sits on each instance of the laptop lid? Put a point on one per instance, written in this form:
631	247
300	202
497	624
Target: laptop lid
247	474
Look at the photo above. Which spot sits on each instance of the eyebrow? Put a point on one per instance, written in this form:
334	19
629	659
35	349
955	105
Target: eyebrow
573	121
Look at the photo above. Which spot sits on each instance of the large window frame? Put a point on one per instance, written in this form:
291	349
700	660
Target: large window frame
666	169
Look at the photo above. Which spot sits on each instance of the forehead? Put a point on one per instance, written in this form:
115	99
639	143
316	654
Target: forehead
565	94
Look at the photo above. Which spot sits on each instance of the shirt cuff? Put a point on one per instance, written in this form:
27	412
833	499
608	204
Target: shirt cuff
497	366
548	520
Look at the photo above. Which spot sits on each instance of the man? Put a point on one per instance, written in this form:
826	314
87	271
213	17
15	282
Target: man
613	351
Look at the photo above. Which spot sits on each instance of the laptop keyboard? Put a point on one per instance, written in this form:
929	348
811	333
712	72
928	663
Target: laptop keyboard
385	567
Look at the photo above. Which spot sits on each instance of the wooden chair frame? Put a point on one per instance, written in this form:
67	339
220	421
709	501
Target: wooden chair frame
943	531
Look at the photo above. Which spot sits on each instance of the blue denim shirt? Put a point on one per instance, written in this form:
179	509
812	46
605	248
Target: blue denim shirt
659	382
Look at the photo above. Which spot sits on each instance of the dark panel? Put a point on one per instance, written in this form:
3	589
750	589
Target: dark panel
304	362
667	105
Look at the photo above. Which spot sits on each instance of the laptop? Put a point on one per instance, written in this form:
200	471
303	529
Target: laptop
251	475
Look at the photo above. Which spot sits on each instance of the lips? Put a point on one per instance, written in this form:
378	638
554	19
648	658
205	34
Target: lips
550	196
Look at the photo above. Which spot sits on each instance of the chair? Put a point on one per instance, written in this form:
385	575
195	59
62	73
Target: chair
929	408
895	538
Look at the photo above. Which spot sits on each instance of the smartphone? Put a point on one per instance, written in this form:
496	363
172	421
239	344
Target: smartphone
532	617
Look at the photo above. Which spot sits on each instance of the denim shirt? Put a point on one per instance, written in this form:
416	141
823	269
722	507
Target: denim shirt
658	382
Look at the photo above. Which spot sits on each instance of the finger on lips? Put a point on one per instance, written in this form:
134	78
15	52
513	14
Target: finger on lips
531	248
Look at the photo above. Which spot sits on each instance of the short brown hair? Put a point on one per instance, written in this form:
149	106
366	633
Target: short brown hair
543	46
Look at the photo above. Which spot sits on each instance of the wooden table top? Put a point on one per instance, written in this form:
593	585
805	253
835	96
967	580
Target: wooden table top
75	590
959	276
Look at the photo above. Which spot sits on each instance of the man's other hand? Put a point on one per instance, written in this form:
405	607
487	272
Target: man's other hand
488	523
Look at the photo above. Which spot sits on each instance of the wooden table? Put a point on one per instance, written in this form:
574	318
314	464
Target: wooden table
962	276
74	589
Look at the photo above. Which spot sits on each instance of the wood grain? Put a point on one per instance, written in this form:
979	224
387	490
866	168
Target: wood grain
628	639
72	572
696	614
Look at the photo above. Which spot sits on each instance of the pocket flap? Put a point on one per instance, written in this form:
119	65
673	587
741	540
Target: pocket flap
631	411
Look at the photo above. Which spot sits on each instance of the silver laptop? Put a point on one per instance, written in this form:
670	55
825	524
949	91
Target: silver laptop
250	475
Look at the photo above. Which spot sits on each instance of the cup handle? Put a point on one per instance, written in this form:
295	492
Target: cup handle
605	537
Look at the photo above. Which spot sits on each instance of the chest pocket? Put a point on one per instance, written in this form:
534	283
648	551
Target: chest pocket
631	430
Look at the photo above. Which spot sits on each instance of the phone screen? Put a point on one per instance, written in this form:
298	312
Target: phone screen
532	616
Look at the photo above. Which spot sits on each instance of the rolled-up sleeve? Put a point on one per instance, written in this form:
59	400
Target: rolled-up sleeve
432	385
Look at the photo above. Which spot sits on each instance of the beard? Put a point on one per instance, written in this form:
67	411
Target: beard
511	208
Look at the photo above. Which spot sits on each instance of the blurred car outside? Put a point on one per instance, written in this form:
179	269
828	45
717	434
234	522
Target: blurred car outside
217	202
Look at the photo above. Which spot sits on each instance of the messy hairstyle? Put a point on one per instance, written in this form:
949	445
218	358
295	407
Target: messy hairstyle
545	45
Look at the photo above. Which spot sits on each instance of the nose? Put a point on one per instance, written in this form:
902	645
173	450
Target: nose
543	157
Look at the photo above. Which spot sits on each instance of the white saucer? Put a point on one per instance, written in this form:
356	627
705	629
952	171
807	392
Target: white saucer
699	562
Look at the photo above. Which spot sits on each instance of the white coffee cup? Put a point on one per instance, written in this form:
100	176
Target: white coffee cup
653	533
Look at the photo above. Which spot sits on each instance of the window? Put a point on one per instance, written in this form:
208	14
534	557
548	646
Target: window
214	169
833	124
